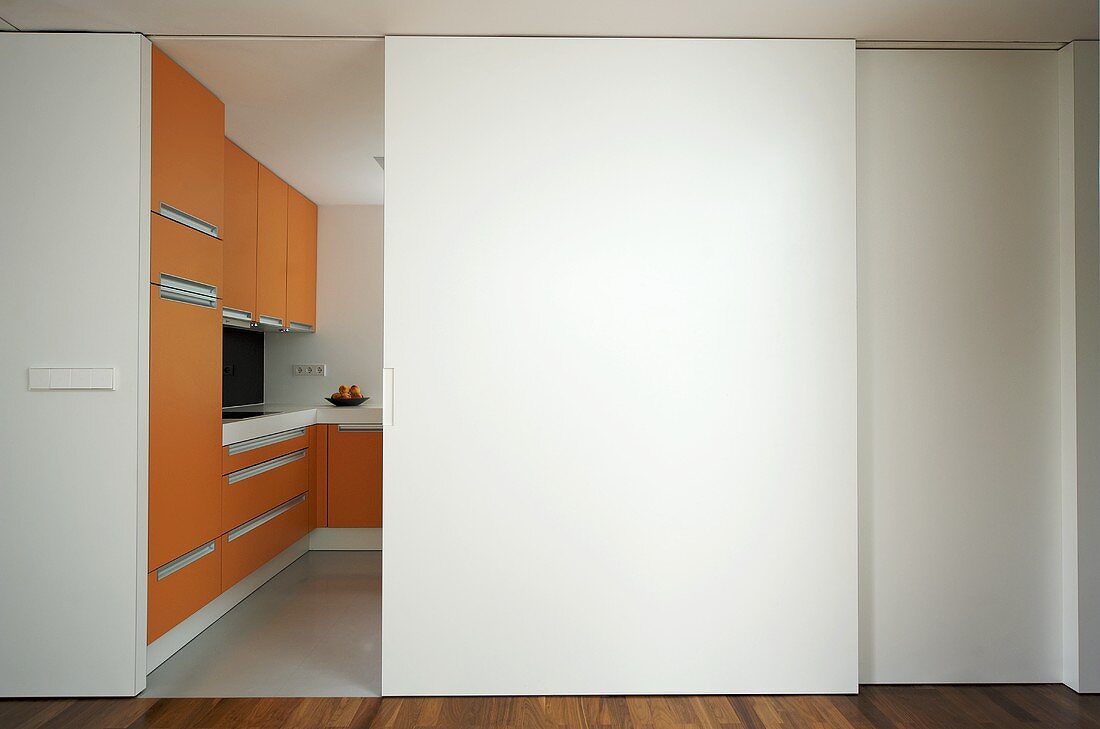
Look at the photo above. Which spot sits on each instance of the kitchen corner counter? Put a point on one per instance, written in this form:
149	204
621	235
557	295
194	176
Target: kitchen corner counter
288	417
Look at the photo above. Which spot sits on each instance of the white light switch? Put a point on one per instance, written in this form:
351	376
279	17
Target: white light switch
103	378
71	378
60	378
39	378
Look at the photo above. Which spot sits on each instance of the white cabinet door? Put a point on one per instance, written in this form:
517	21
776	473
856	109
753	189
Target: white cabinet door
620	313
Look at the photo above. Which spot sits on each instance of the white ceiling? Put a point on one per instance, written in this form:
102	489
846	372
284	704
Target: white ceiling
309	109
1014	20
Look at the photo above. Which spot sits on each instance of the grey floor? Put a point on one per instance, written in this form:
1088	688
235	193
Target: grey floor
312	630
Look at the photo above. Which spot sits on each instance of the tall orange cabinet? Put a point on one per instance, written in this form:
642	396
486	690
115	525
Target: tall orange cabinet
185	364
188	129
185	345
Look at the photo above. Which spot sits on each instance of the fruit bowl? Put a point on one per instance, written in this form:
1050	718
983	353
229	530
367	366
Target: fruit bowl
347	401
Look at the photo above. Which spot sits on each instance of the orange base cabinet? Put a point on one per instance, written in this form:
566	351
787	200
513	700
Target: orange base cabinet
182	586
254	490
354	476
255	542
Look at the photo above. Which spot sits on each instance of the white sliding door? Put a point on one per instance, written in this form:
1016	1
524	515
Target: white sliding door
620	310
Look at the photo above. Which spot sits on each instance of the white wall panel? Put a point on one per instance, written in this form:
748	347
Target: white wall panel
1080	310
620	309
74	169
960	553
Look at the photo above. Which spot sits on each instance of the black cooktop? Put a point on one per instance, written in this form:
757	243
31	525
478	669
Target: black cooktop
241	414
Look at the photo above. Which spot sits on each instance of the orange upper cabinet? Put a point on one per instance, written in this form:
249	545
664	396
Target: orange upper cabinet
301	263
354	476
271	238
188	148
239	233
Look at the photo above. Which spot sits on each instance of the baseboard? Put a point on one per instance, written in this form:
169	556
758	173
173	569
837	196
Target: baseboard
328	539
163	647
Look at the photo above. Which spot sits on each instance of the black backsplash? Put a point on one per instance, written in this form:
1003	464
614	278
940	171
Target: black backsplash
242	367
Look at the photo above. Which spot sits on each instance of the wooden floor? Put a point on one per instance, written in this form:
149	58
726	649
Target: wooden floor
876	707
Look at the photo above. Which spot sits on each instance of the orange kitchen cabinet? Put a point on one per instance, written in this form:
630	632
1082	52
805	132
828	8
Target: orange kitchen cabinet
187	146
318	477
239	232
182	586
251	491
179	251
301	262
271	231
354	476
254	543
185	429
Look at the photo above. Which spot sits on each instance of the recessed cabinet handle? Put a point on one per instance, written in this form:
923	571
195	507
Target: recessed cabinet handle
245	473
264	518
186	291
188	219
387	396
360	428
190	558
265	440
299	327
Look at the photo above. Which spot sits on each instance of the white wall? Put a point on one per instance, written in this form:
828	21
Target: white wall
960	553
620	310
1080	308
349	313
74	169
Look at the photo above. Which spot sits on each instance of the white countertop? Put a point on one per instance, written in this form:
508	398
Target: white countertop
287	417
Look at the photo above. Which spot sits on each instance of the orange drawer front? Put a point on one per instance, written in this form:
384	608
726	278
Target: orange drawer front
182	586
250	545
252	491
250	452
177	250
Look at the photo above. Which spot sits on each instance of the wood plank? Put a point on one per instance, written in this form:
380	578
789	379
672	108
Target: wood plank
876	707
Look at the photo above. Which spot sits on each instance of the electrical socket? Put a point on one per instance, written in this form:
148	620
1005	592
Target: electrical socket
309	370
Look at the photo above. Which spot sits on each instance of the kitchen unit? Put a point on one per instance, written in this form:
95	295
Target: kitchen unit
230	501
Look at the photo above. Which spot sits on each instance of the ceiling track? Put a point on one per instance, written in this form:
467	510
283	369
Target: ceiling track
860	44
897	45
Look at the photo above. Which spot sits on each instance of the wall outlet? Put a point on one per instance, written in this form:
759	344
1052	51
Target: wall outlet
309	370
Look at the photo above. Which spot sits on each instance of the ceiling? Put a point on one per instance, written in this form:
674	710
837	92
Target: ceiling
311	110
1005	20
309	104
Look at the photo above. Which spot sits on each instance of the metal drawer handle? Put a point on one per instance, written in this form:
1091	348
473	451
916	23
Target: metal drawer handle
188	219
364	428
244	473
265	440
237	315
270	321
186	291
299	327
190	558
264	518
